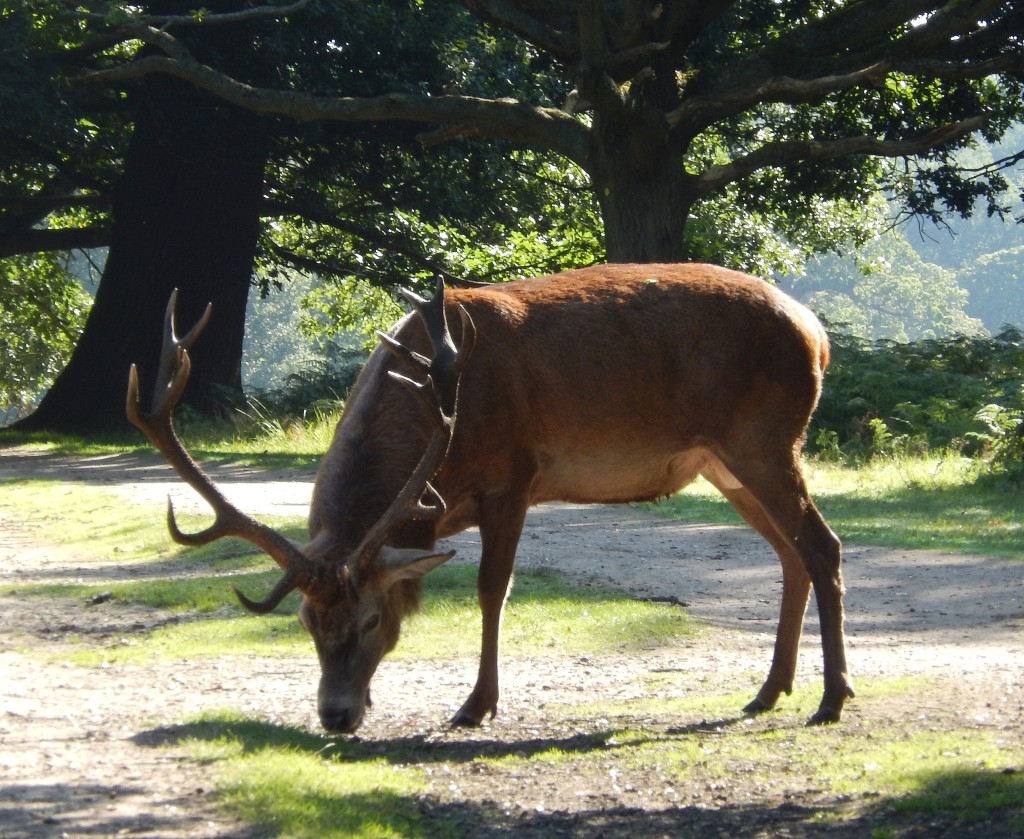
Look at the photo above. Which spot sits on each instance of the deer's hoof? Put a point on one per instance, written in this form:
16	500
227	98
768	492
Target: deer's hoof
825	716
468	718
464	720
757	707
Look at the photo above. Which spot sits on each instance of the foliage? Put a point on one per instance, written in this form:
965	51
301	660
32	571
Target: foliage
885	292
369	206
995	283
350	306
742	229
783	132
984	253
298	362
42	312
500	145
885	396
1004	435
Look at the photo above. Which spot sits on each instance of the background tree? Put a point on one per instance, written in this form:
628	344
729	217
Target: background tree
887	292
40	321
921	279
197	189
995	283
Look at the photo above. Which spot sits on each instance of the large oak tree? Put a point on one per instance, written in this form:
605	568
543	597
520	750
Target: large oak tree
667	103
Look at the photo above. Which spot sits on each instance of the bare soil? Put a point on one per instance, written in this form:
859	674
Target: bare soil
78	746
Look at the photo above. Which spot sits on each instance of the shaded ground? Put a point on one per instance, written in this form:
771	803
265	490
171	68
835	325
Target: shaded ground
77	754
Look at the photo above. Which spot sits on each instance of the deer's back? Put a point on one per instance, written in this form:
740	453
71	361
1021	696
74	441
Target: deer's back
600	381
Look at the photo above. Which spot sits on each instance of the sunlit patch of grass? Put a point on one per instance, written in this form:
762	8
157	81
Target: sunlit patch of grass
927	502
802	702
549	618
252	438
100	523
683	700
968	794
298	785
544	616
193	594
105	529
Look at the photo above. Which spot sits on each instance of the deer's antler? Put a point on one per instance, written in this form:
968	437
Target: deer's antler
158	426
438	395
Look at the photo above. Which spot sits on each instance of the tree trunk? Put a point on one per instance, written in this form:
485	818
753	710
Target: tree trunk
641	186
186	216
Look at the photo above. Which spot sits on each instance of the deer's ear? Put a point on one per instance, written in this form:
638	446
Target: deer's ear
409	563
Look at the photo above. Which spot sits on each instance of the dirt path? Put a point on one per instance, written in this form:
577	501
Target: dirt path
76	756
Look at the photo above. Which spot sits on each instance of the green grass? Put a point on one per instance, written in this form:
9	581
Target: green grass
251	439
544	617
300	785
940	504
103	529
945	503
128	555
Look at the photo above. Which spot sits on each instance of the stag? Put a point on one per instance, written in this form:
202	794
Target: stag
606	384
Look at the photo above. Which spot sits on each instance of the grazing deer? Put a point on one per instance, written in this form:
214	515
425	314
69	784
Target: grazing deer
607	384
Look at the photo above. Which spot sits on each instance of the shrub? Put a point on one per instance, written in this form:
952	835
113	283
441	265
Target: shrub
883	397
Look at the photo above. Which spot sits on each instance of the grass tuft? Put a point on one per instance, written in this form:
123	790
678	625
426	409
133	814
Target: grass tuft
297	784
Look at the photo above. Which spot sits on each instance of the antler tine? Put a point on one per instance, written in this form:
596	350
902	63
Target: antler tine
172	353
158	425
445	367
285	586
438	395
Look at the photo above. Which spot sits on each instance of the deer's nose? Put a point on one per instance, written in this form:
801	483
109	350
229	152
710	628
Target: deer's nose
340	720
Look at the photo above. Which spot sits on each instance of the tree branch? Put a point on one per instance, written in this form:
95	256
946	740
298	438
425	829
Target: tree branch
506	119
39	240
42	204
953	20
542	34
369	235
788	152
699	111
712	107
859	43
593	80
198	19
960	71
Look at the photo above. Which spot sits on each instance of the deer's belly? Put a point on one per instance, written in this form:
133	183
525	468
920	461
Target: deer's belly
607	477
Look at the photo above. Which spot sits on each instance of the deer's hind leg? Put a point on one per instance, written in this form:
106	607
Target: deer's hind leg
775	502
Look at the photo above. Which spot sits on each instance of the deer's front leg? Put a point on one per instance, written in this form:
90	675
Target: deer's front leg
500	526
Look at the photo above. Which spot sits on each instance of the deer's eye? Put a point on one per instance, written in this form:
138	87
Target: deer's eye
371	623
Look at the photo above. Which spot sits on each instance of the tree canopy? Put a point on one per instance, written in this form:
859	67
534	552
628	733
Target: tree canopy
666	105
482	138
332	190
